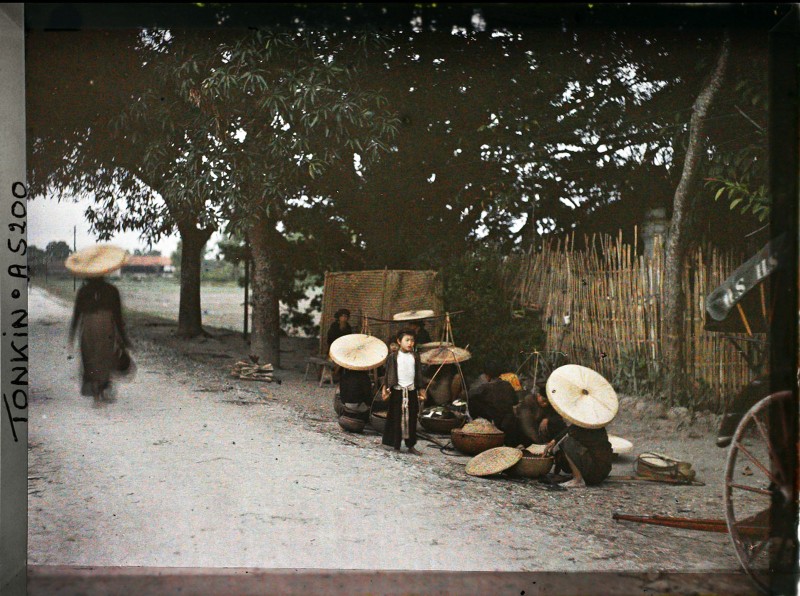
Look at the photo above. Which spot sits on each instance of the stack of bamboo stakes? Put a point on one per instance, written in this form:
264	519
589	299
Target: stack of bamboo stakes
613	298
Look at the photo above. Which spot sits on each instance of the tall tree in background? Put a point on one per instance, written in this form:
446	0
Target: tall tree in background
286	105
672	337
124	137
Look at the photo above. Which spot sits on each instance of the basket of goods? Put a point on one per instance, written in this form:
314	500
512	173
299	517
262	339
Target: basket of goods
377	420
533	463
440	420
352	425
476	437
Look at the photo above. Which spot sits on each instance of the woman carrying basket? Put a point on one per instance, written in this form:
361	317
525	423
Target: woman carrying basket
98	316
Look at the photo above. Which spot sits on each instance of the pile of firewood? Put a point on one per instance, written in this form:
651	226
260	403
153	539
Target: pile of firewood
248	371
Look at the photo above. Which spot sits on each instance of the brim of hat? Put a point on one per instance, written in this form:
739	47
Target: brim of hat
413	315
434	344
444	355
357	351
582	396
493	461
96	261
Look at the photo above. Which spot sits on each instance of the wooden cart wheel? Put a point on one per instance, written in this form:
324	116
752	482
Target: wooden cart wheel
758	479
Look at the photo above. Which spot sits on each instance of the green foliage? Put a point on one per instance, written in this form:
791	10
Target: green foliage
633	376
57	250
474	283
739	194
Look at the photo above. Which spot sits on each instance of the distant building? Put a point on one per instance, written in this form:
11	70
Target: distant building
149	265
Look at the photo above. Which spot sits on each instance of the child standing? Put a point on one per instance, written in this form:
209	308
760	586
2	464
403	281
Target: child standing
403	386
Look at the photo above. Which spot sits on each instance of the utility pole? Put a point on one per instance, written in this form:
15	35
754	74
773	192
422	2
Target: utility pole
74	249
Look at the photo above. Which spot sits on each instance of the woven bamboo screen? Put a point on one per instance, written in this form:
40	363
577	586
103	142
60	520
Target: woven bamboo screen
380	295
613	298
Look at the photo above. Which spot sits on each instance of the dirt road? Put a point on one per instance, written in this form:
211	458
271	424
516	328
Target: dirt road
191	468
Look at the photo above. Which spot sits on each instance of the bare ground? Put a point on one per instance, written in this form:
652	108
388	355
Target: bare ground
191	467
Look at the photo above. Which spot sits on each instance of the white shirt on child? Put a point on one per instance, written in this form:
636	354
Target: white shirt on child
405	368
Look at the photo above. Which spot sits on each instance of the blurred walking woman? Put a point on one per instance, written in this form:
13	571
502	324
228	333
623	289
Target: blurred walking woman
98	316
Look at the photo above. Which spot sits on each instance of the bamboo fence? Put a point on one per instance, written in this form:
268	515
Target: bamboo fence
613	299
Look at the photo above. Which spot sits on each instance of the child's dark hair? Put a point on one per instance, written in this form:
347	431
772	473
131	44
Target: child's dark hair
403	333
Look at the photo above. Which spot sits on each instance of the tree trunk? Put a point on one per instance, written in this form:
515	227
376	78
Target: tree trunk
265	338
193	241
672	340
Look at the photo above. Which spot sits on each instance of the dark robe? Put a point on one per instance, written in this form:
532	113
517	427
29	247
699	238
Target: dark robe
98	314
422	337
495	401
393	430
590	451
335	332
355	392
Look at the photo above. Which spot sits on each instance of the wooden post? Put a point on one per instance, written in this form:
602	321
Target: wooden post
246	296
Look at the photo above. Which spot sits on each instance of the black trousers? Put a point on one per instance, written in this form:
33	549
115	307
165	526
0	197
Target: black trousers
393	431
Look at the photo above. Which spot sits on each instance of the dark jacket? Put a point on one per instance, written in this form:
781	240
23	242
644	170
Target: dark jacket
390	378
335	332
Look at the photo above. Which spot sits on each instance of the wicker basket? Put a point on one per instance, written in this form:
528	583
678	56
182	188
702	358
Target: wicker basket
377	420
475	443
352	425
441	426
532	466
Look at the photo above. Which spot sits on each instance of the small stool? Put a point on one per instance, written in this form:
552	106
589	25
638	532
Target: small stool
323	366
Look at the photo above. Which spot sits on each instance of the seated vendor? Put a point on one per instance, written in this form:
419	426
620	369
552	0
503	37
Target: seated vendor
494	400
585	452
339	328
538	421
421	335
355	391
446	385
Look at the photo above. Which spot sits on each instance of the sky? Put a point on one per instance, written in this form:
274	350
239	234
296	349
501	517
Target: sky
51	220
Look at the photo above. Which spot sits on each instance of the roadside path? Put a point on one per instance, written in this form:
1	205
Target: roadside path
189	469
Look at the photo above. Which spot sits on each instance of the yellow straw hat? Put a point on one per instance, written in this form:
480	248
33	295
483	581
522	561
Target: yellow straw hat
493	461
96	261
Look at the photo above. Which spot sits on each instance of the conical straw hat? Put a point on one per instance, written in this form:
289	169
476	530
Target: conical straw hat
493	461
620	446
358	352
434	344
444	355
413	315
582	396
96	261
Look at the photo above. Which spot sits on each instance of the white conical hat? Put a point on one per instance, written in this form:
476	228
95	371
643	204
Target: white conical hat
96	261
582	396
358	352
413	315
620	446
